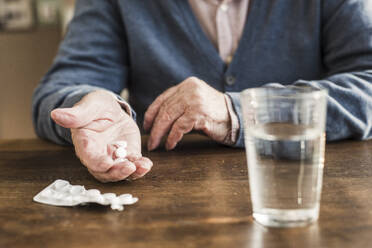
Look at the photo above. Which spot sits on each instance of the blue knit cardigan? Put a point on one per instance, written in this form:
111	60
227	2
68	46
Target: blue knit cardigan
148	46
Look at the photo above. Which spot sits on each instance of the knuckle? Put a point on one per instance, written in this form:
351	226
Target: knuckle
197	98
190	116
193	82
159	99
165	115
192	79
180	125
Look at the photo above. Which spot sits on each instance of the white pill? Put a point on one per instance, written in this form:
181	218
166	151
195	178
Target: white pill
58	196
115	204
93	193
83	198
65	189
120	160
125	196
115	201
109	196
125	199
134	200
121	143
69	200
117	207
121	152
77	190
97	199
47	193
77	198
59	184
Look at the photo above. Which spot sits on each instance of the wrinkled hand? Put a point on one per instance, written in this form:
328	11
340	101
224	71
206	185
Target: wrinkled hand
96	122
191	105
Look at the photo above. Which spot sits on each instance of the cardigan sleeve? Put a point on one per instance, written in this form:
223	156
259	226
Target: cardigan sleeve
347	57
92	56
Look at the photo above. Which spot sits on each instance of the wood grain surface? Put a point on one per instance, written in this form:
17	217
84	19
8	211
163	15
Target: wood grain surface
195	196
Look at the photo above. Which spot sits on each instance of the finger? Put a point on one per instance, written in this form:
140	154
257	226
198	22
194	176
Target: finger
153	109
182	126
118	172
133	157
92	153
143	166
100	164
163	122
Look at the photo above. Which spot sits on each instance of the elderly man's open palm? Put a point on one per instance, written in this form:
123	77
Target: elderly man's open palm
96	123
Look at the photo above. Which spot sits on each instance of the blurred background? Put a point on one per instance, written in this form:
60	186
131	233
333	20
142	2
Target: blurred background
30	32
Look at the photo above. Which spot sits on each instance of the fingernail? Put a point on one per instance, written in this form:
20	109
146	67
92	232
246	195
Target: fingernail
146	166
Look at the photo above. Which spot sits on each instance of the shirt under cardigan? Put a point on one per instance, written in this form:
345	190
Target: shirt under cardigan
150	45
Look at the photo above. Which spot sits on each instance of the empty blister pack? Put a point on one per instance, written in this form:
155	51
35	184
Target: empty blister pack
62	193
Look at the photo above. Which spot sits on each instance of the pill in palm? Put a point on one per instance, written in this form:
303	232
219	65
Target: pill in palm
120	160
121	152
121	143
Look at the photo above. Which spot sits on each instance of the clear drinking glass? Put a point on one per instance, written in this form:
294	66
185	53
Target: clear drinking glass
285	141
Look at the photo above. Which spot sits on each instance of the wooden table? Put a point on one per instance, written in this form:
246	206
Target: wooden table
195	196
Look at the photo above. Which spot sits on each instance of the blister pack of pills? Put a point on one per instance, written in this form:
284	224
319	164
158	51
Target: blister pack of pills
62	193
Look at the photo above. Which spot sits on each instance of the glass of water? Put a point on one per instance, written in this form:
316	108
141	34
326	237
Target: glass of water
285	138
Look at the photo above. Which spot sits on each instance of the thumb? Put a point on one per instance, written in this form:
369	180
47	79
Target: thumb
78	116
85	111
75	117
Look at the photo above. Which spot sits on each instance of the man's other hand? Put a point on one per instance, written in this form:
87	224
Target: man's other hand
190	105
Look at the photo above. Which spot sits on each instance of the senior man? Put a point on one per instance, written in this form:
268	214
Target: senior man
185	63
